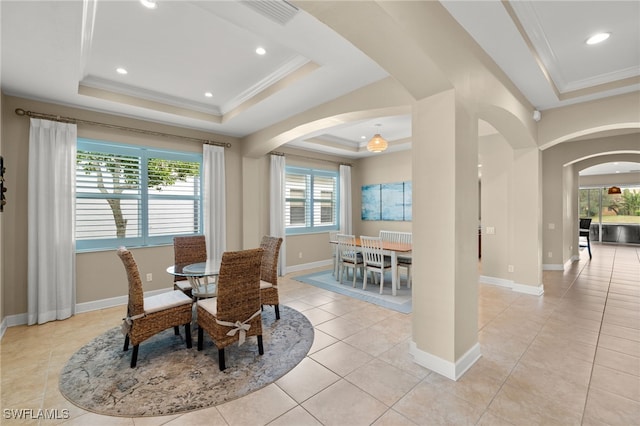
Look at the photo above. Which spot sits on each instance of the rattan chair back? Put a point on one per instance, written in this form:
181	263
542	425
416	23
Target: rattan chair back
188	250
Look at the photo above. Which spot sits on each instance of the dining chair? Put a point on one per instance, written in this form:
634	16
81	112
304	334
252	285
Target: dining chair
404	260
269	272
187	250
584	231
374	259
236	312
350	256
333	239
147	316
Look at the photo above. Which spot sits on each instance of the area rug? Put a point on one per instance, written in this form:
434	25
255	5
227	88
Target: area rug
170	378
401	302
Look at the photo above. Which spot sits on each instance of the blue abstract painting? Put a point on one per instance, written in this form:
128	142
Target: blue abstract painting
371	202
392	201
387	201
408	201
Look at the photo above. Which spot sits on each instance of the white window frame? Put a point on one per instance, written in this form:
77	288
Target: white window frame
310	175
144	239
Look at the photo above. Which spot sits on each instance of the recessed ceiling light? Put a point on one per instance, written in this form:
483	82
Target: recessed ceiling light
598	38
261	51
208	94
363	137
149	4
121	71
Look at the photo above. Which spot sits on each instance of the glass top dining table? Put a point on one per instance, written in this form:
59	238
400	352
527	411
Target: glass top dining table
202	276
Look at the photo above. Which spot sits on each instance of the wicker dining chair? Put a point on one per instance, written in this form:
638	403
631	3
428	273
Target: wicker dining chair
269	272
147	316
236	313
187	250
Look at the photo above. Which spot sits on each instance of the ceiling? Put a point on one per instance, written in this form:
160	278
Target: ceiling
180	50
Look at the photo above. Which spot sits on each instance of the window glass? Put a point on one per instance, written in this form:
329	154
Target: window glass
135	196
311	200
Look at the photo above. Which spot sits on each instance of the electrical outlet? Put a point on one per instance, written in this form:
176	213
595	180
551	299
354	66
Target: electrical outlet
300	255
550	254
491	230
552	226
510	268
149	277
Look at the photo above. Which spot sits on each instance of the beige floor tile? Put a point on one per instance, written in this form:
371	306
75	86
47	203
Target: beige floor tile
320	341
341	358
618	361
606	408
425	404
166	420
298	416
539	384
620	331
340	327
516	406
344	404
318	316
489	419
390	384
399	357
626	346
205	417
616	382
257	408
306	379
393	418
98	420
478	385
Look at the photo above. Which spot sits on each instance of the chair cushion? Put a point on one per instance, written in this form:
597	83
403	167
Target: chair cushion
183	285
166	300
264	284
209	305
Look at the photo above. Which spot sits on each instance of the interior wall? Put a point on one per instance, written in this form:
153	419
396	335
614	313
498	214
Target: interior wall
98	274
553	160
390	167
496	157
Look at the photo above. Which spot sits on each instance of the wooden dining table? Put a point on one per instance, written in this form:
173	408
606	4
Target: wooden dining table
390	249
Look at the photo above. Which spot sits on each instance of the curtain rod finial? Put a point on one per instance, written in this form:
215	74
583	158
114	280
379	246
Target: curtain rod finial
20	111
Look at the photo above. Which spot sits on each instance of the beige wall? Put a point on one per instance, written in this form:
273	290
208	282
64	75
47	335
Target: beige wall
558	213
496	157
386	168
99	275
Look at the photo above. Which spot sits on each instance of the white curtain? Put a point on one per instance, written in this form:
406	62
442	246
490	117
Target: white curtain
51	275
277	207
213	186
346	218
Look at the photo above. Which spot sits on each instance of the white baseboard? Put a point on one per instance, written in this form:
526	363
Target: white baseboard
311	265
518	288
502	282
528	289
445	368
552	267
22	319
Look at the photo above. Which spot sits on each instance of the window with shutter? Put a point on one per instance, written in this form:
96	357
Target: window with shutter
135	196
311	200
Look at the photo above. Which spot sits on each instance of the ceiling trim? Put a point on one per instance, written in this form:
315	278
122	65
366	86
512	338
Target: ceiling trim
147	104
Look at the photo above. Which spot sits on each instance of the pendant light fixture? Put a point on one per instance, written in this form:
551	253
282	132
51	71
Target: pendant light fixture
377	143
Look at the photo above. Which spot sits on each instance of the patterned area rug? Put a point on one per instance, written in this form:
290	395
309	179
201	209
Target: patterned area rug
401	302
170	378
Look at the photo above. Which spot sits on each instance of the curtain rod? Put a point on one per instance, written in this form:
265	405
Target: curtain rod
22	113
282	154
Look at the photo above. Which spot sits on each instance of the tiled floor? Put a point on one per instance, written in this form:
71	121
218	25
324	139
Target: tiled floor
569	357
